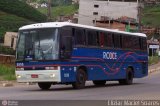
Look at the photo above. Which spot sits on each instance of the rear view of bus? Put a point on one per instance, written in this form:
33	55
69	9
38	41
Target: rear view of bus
66	53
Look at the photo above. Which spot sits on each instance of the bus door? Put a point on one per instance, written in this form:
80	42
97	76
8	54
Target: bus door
66	43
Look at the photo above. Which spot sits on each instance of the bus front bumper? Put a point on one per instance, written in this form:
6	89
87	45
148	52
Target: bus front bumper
38	76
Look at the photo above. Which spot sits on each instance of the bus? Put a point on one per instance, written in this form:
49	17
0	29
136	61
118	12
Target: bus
67	53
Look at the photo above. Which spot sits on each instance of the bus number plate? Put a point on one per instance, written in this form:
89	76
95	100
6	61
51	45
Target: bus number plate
34	76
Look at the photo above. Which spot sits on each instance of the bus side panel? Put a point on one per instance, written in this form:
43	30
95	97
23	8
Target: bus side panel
68	74
101	73
101	67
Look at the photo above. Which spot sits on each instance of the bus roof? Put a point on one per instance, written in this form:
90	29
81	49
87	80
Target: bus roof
61	24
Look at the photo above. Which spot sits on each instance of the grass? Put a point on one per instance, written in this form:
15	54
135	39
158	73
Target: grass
60	10
7	72
153	60
151	16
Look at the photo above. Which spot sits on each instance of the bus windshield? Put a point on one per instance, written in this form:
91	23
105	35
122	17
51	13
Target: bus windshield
38	44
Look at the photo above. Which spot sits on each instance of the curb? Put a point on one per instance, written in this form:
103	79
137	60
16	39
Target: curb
153	70
7	84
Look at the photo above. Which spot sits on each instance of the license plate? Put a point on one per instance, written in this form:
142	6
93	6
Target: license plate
34	76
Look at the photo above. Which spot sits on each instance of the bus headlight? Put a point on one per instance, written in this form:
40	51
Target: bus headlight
18	76
52	75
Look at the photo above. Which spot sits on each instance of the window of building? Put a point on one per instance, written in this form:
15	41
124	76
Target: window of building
96	6
95	13
12	42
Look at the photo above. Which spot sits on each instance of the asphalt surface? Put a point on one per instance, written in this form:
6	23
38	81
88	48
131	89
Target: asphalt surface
147	88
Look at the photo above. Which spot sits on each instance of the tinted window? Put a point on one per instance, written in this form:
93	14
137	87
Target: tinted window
127	42
143	43
80	37
117	41
92	37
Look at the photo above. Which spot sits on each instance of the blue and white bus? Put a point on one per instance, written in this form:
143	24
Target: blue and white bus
66	53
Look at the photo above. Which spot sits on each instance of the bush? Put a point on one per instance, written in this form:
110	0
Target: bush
153	60
7	73
5	50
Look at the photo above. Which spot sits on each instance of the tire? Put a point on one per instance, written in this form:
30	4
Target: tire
99	83
80	79
129	78
44	85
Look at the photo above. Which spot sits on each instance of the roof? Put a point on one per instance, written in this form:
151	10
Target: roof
61	24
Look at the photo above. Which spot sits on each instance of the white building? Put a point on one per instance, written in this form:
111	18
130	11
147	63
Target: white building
10	39
90	10
44	5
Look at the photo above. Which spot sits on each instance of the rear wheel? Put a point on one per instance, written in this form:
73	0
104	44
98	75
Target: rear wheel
44	85
99	83
129	78
80	79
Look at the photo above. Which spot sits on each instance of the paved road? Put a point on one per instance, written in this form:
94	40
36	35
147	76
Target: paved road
145	89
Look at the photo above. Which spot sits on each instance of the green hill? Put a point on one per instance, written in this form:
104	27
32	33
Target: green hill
65	10
9	22
151	16
14	14
21	9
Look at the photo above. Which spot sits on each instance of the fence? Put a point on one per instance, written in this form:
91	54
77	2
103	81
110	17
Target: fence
7	59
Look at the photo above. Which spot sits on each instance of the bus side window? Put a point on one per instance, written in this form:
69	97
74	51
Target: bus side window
101	39
136	43
117	41
80	37
92	38
125	44
108	40
143	43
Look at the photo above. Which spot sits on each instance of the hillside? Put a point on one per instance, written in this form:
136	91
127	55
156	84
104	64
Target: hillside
151	16
14	14
21	9
61	10
9	22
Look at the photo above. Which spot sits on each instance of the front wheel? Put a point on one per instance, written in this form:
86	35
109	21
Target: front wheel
129	78
80	79
44	85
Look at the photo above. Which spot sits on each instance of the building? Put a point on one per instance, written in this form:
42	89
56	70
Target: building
75	1
10	39
92	10
122	24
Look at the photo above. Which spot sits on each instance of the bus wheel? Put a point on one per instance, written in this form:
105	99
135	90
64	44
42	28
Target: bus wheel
44	85
99	83
80	79
129	78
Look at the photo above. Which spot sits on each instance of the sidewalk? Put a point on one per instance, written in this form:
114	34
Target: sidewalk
154	68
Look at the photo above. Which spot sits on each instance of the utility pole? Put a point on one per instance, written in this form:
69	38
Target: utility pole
49	11
139	16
